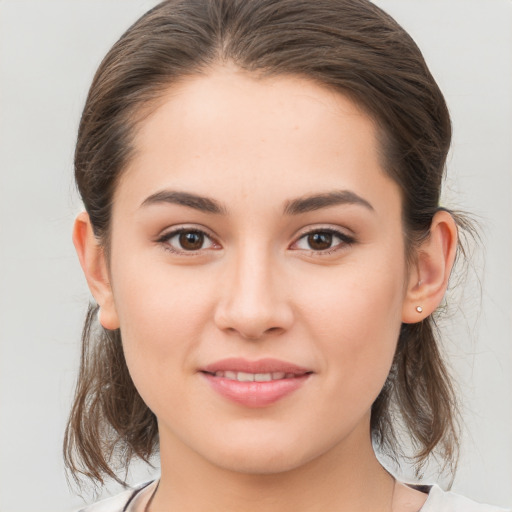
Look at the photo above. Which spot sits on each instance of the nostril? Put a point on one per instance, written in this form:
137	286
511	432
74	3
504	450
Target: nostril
274	329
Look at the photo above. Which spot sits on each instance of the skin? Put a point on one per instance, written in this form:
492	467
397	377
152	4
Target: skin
256	288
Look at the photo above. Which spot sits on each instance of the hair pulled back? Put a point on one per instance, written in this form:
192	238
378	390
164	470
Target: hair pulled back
350	46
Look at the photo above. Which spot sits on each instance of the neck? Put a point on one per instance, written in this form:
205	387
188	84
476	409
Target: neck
349	477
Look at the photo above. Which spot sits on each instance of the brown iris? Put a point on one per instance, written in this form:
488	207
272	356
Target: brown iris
191	240
320	241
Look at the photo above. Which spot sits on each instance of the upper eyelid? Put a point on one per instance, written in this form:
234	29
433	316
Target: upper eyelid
173	230
346	239
344	232
164	239
167	234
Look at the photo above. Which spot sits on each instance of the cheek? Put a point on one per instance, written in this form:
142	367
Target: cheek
355	300
159	298
356	321
162	315
161	331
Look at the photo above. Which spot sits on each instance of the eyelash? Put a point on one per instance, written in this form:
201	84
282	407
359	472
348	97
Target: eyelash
165	239
345	241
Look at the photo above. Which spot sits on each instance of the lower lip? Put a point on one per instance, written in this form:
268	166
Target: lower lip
255	394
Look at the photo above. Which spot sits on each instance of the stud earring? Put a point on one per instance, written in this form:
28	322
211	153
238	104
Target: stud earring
419	309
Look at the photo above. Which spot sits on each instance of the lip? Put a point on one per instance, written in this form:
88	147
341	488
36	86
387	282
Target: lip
255	394
267	365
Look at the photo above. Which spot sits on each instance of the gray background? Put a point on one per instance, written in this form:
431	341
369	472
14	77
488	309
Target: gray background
49	50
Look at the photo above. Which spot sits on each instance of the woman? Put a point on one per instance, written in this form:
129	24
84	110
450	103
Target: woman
265	246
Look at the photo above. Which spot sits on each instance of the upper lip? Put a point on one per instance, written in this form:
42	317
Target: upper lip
267	365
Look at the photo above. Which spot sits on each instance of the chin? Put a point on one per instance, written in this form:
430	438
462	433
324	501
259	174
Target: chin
246	462
259	456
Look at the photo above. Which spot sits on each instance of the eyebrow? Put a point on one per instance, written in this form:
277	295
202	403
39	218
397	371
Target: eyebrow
293	207
203	204
319	201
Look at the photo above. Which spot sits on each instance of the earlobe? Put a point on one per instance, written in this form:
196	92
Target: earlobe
94	265
428	279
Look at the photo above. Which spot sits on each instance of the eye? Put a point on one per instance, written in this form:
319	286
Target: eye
187	240
322	240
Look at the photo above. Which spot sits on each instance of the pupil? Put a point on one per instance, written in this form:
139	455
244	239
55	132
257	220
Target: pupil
191	241
320	241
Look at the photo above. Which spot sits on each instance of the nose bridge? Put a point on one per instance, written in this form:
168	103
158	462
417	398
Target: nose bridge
253	302
253	282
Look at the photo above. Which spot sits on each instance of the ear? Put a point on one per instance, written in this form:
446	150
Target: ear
93	262
428	279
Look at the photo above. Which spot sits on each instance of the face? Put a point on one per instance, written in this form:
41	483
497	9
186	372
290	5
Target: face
257	270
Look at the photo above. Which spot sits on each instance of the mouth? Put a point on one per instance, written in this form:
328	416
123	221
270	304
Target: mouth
253	377
255	383
276	368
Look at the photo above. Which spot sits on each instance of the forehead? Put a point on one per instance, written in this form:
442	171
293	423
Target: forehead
233	132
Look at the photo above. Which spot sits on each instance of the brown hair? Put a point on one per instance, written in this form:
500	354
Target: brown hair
350	46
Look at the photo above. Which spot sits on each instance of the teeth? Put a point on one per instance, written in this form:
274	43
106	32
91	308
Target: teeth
262	377
254	377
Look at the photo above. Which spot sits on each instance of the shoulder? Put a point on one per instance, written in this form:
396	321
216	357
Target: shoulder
118	503
442	501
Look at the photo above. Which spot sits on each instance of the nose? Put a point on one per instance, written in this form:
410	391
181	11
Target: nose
253	302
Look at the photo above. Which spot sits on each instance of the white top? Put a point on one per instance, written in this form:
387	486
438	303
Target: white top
441	501
135	500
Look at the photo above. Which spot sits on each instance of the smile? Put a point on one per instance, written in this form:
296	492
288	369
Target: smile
254	377
255	384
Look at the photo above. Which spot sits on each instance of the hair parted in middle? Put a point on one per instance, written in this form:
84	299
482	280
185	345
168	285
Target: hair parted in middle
349	46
